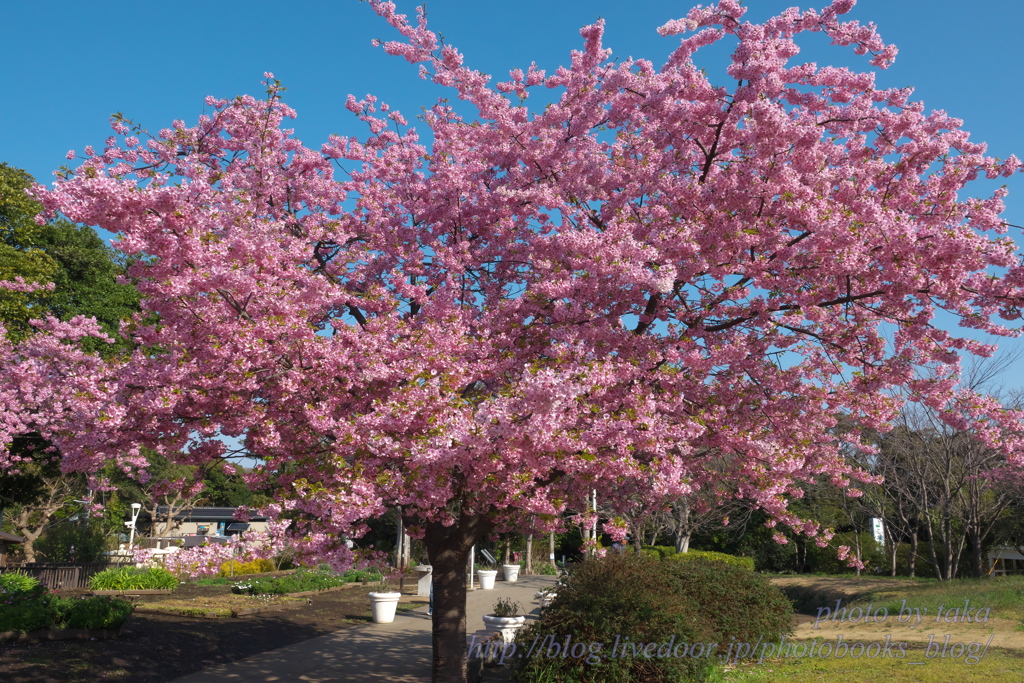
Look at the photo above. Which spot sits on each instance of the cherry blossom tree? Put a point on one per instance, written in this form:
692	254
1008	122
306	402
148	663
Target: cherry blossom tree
598	294
51	389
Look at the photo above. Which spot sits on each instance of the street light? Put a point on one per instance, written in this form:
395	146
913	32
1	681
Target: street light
136	507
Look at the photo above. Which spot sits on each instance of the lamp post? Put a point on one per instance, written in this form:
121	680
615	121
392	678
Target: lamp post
136	507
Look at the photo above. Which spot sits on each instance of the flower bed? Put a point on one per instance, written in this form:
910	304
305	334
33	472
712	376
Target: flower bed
134	579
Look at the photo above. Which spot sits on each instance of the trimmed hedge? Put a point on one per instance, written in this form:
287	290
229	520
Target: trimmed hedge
668	552
644	600
732	560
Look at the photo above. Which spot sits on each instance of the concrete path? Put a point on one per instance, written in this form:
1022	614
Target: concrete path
398	652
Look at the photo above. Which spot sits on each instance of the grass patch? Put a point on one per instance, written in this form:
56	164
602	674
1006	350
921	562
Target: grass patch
217	581
995	665
409	606
1003	595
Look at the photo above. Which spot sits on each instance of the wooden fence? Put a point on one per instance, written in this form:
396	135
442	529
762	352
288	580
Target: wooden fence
57	575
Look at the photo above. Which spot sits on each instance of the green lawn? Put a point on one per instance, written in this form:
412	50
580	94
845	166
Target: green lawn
995	665
1003	596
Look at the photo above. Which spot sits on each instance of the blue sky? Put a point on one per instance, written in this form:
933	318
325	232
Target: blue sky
75	63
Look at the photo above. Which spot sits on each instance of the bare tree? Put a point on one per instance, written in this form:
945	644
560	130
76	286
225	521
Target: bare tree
31	520
945	481
686	516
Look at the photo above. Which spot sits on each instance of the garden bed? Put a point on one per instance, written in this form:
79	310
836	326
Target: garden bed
214	603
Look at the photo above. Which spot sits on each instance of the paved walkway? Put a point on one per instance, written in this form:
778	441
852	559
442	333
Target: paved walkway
398	652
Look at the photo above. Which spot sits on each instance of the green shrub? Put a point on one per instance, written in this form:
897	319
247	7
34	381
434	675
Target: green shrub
37	610
16	582
744	562
361	575
68	541
545	569
94	612
132	578
736	601
619	595
642	600
668	552
29	613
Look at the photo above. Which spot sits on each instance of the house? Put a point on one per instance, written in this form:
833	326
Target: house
1005	559
7	539
211	521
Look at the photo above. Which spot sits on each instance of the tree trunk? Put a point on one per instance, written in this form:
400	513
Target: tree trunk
683	528
448	549
683	542
28	548
912	555
976	559
529	554
893	548
932	552
856	544
551	549
30	532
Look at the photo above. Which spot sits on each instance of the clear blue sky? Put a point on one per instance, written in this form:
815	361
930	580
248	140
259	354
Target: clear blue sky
71	64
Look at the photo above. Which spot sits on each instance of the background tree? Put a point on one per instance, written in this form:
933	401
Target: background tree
75	274
594	295
33	498
82	268
949	484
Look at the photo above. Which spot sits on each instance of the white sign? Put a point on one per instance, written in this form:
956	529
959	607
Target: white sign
878	531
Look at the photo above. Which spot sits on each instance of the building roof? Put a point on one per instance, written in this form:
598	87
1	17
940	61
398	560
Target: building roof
208	514
10	538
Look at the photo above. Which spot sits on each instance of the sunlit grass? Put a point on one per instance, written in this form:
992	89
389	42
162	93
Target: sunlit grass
995	665
1003	595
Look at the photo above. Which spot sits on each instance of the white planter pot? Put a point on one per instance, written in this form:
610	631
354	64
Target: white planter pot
506	626
511	572
384	606
487	578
